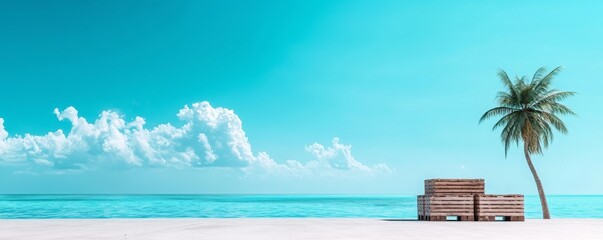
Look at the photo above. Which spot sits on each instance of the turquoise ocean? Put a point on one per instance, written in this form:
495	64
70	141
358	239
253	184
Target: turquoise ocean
256	206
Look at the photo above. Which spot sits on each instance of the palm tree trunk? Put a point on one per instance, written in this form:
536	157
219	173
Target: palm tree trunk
545	206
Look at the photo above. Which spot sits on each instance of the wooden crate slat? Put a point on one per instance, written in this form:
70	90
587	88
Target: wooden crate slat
468	197
455	187
454	180
476	190
431	185
500	207
478	216
450	202
497	204
431	211
477	184
501	195
430	208
499	211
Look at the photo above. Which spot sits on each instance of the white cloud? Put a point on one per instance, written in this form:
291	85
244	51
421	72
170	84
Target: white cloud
3	133
338	156
335	160
205	137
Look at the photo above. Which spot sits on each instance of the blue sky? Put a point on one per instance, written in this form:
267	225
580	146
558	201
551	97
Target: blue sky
400	84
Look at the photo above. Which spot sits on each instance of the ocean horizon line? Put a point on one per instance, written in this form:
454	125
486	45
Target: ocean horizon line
260	194
33	206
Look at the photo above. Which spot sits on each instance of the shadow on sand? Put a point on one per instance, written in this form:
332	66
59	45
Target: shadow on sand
400	220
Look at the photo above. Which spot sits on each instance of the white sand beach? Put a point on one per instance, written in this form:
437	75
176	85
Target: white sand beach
296	228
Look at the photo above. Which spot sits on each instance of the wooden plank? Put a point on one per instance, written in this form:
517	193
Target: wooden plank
454	205
453	191
460	203
451	197
499	200
454	180
448	208
455	187
490	196
454	214
457	213
450	203
428	186
500	215
477	191
498	211
428	208
444	212
459	190
499	203
500	206
455	183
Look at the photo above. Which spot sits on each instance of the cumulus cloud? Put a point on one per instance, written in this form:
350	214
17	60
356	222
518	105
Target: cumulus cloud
205	137
3	133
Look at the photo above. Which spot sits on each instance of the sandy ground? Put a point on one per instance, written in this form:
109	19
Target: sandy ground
297	228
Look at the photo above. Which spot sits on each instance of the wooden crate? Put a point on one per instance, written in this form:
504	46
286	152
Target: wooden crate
489	206
438	208
454	186
421	206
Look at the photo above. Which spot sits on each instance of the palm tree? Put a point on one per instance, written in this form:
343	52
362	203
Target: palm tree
529	111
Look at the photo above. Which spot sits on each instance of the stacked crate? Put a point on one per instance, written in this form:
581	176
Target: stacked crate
465	199
449	198
443	187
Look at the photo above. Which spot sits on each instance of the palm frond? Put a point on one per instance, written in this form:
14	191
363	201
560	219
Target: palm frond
551	119
544	83
538	74
496	111
552	96
529	110
558	108
504	77
506	119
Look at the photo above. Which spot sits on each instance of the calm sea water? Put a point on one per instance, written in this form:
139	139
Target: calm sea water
252	206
